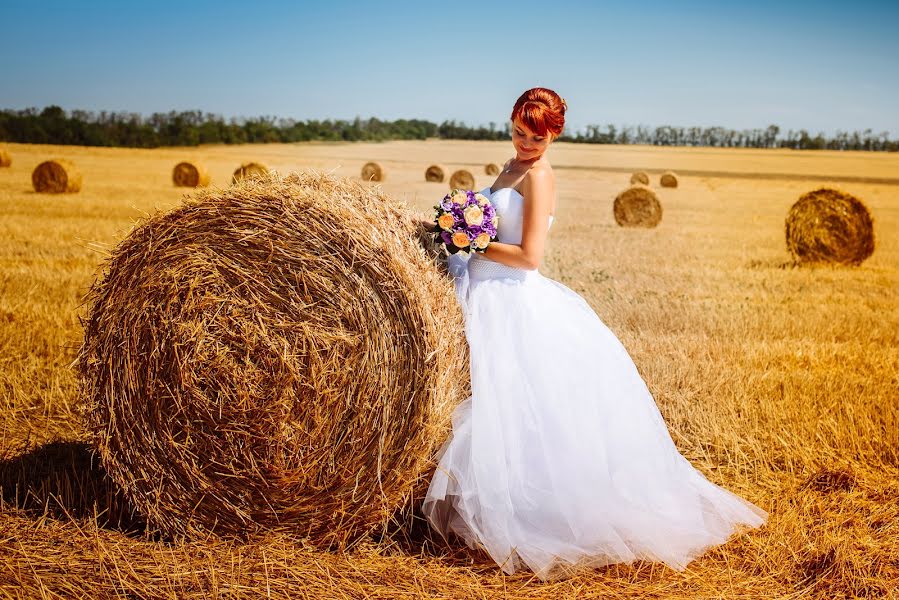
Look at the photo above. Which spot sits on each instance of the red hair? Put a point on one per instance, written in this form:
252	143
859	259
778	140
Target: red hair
542	110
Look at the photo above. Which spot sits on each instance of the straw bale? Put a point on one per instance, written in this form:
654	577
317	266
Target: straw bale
641	177
5	158
271	356
249	169
668	179
190	174
372	171
435	173
828	225
462	179
491	169
637	206
56	177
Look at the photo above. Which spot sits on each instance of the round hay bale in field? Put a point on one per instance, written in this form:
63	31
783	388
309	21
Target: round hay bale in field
5	158
372	171
668	179
641	177
249	169
828	225
435	173
491	169
56	177
190	174
270	356
462	179
637	206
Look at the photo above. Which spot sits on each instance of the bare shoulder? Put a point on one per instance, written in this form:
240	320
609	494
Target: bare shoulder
540	176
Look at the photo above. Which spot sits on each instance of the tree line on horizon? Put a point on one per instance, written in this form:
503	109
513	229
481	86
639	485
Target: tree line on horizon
53	125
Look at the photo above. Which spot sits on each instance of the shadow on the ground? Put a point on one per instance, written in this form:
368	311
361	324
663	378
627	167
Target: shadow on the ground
64	480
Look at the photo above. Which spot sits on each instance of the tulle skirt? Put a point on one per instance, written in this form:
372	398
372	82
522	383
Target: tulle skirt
560	459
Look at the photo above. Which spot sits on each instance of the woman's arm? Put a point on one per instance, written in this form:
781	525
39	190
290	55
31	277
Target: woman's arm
538	188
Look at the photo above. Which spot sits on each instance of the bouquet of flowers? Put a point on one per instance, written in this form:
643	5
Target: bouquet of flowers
465	221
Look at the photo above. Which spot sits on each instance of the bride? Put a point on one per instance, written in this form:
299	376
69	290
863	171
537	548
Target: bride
560	459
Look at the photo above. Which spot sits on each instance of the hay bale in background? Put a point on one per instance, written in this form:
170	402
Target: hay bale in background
462	179
637	206
372	171
641	177
828	225
190	174
270	357
435	173
249	169
56	177
491	169
668	179
5	158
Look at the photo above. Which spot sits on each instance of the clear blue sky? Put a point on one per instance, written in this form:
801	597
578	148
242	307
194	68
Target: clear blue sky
819	65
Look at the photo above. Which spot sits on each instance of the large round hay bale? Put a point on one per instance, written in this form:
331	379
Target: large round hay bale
462	179
435	173
249	169
372	171
190	174
491	169
668	179
641	177
5	158
56	177
828	225
271	356
637	206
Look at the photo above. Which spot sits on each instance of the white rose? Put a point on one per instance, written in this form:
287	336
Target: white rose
474	215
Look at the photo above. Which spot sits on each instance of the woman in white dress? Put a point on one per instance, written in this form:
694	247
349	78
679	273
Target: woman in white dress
560	459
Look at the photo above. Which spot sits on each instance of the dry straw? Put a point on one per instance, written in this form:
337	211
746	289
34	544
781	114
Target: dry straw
372	171
637	206
491	169
249	170
462	179
190	174
435	173
668	179
272	357
641	177
828	225
56	177
5	158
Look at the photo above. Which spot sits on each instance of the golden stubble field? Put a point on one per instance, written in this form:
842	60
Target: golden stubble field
780	383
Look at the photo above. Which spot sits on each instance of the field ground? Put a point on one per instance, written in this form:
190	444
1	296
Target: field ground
779	383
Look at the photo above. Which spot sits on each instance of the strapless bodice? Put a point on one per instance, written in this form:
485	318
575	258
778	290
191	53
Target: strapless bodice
509	205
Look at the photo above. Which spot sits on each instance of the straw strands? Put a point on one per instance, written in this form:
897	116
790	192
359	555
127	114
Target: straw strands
56	177
190	174
271	357
637	206
668	179
435	173
491	169
372	171
641	177
462	179
249	169
828	225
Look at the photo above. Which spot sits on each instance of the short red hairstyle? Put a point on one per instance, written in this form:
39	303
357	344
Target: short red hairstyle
542	110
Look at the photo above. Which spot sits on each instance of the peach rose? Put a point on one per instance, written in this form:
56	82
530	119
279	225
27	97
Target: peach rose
459	197
481	241
460	239
482	199
446	221
473	215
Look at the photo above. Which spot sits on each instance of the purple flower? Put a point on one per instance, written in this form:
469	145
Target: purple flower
446	237
447	204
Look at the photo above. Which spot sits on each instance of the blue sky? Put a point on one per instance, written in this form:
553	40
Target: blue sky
821	66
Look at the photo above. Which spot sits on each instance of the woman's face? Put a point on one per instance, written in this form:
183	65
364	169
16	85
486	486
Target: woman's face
528	144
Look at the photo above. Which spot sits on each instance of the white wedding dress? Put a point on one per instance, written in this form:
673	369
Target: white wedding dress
560	458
